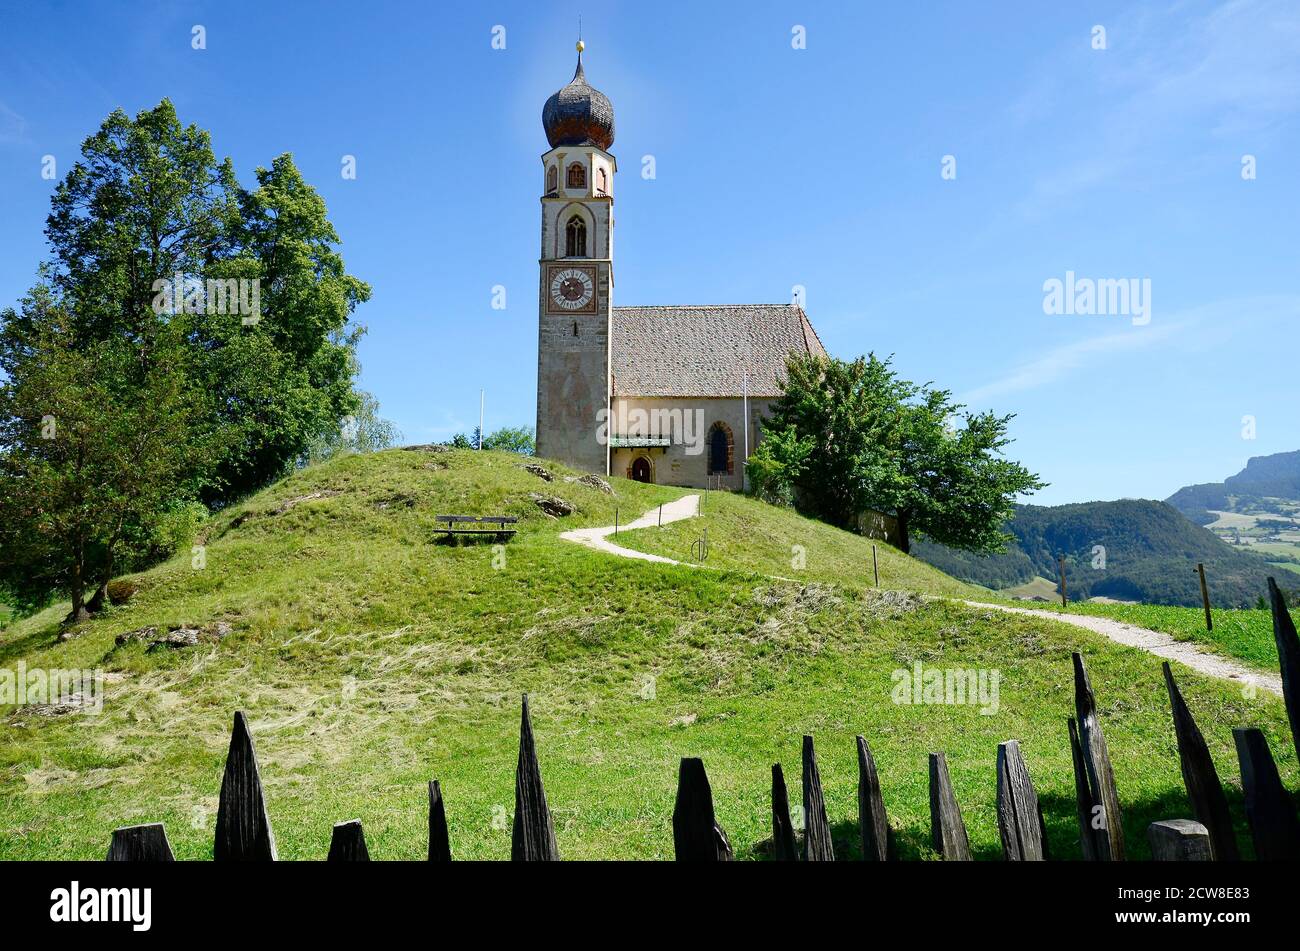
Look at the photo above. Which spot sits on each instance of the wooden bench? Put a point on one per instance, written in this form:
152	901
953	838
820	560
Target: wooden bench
477	524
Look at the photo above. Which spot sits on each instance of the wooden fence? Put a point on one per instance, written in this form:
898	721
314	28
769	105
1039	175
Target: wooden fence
243	830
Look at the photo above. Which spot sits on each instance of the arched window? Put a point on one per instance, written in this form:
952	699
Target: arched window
552	179
575	238
602	182
577	176
721	449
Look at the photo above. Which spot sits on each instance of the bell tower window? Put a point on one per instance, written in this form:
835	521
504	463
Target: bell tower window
575	238
602	183
552	180
576	177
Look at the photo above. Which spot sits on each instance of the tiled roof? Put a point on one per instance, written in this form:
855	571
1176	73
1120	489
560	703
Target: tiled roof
704	351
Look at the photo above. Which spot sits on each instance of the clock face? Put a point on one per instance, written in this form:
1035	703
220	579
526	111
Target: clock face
572	289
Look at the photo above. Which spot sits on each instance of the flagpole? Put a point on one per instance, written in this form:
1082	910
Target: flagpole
744	480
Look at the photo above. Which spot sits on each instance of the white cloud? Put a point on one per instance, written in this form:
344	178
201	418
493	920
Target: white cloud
13	127
1196	329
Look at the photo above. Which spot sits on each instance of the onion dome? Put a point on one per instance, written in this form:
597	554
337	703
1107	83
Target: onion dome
579	114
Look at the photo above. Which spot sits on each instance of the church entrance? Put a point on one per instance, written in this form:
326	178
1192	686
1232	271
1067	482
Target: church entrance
641	469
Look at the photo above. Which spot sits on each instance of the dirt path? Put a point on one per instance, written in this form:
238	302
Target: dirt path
688	506
1155	642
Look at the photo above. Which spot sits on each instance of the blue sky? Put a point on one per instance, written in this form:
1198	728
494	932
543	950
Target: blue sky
776	167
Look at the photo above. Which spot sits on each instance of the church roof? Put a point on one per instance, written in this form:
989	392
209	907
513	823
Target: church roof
688	351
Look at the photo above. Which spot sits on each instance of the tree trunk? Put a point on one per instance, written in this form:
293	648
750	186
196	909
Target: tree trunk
101	593
904	539
78	612
96	603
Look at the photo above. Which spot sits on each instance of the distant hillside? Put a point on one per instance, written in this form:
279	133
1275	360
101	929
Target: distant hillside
1256	511
1264	478
1150	549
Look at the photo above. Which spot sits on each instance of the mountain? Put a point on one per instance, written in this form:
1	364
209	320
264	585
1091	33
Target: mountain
1257	510
1265	477
1130	550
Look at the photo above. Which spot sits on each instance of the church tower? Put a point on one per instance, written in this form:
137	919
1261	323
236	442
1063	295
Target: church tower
577	279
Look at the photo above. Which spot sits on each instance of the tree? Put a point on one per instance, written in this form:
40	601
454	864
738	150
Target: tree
363	431
517	439
879	442
94	451
149	225
777	464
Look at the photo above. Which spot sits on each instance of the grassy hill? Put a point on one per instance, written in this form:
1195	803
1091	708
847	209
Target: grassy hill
1151	552
370	659
749	535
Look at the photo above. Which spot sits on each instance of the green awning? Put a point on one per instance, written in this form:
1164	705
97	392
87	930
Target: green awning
639	442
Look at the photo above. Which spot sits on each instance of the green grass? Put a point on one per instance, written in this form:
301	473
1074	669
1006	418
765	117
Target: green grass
1246	635
1039	587
748	535
370	660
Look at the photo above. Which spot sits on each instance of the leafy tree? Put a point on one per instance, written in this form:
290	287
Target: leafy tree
149	202
287	380
94	451
880	442
160	391
776	465
518	439
364	431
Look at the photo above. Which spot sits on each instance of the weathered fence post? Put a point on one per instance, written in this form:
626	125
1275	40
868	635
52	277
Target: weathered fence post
146	843
1020	818
783	847
947	831
1205	597
439	841
1088	836
532	839
1060	570
1288	654
875	565
1097	769
243	827
1273	824
1179	840
348	843
697	836
1200	777
872	821
816	827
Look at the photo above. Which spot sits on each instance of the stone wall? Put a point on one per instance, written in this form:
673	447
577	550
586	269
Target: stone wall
686	423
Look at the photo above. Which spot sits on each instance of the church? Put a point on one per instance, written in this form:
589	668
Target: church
672	394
